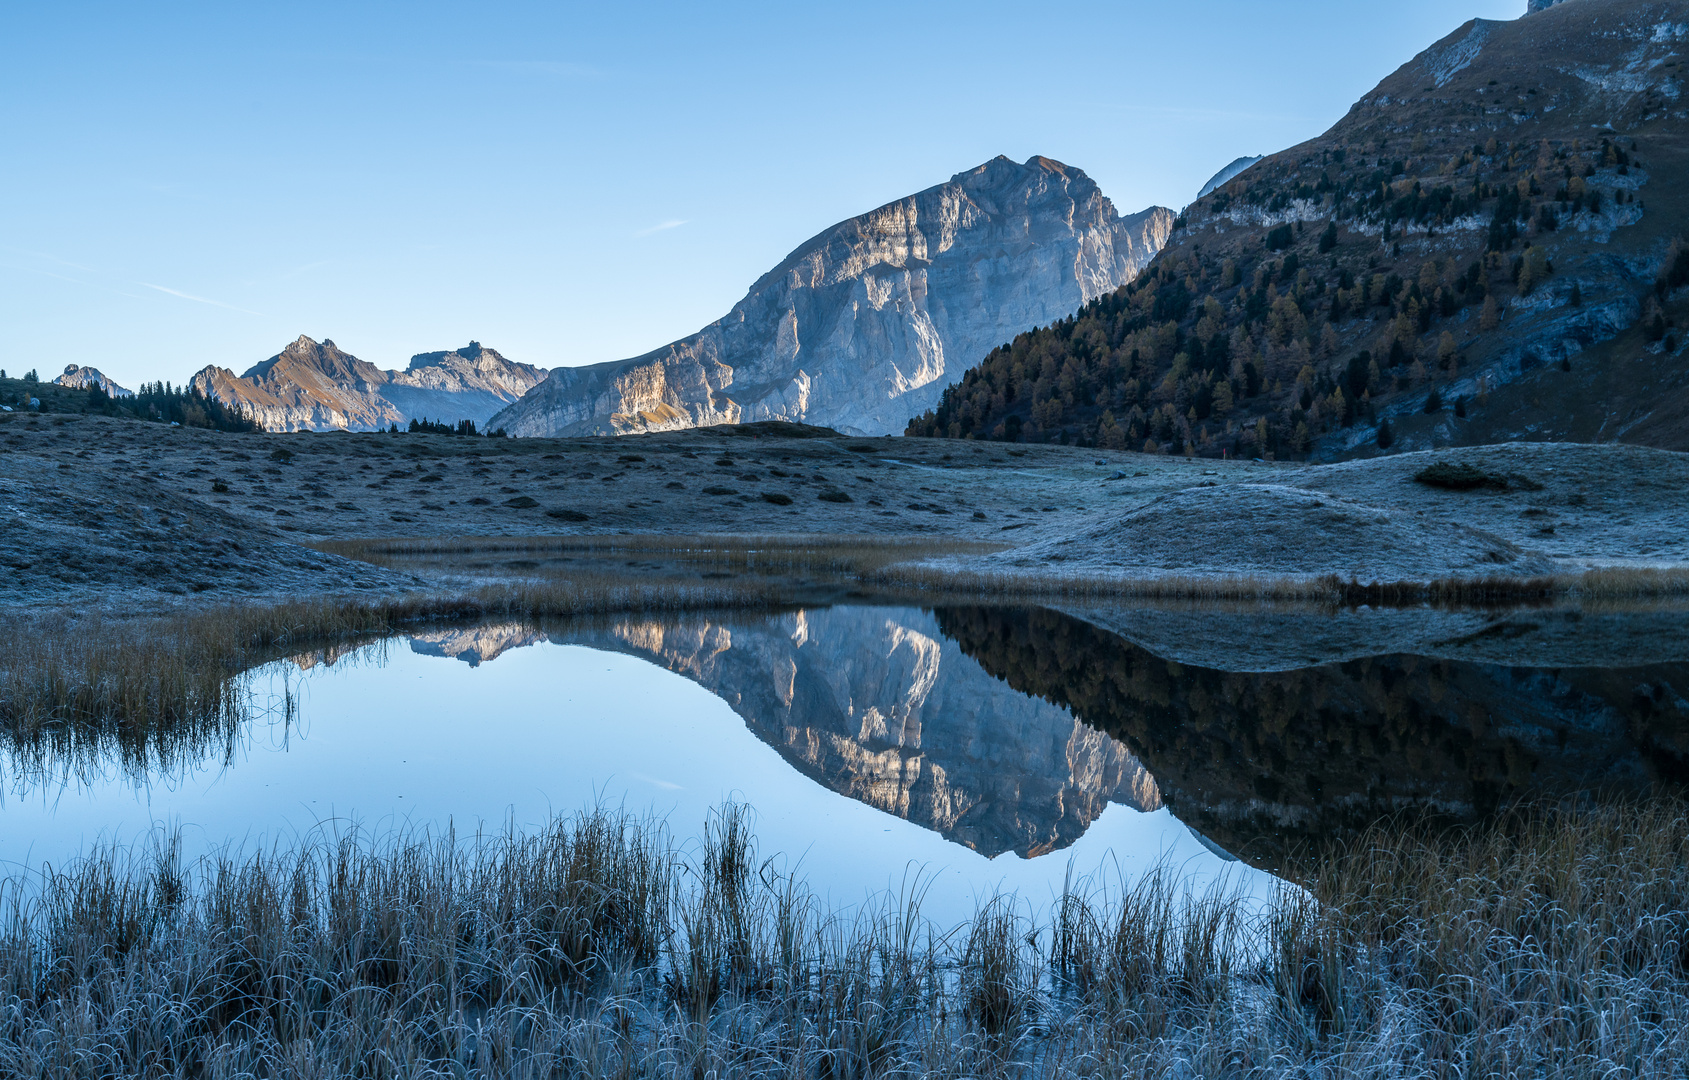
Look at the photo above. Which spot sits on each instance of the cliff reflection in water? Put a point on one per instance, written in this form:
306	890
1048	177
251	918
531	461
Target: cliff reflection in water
1256	760
876	704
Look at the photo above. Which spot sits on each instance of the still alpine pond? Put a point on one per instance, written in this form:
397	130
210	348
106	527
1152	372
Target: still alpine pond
969	750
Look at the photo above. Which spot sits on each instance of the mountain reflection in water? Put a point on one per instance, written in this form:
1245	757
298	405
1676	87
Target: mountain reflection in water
1031	731
875	704
1262	729
1260	760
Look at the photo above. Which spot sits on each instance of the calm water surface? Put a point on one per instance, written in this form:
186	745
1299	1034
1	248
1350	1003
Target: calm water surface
984	748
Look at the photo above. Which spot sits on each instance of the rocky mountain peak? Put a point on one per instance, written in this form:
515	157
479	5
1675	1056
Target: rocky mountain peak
867	322
81	378
472	353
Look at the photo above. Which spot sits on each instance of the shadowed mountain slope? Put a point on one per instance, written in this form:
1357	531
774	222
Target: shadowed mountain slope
1486	248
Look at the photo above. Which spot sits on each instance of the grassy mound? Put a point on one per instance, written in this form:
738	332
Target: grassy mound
1271	530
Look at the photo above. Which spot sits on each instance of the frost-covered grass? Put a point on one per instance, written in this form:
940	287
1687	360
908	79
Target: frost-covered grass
1550	943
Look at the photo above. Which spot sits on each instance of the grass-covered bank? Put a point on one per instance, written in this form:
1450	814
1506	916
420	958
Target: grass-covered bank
809	553
952	578
1549	943
952	569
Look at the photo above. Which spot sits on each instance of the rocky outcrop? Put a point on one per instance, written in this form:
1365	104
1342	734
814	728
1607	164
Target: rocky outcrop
877	704
81	378
865	325
312	386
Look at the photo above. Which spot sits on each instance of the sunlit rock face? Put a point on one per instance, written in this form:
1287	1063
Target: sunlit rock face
864	326
876	704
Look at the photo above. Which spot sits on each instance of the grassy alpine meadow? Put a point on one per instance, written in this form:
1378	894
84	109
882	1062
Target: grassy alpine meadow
1548	943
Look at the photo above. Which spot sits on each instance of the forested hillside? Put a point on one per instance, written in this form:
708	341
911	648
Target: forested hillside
1463	258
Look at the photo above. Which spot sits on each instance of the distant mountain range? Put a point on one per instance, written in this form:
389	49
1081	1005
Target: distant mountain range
315	386
1490	246
866	324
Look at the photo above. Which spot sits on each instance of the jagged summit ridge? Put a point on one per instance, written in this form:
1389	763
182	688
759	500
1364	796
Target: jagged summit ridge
313	385
866	322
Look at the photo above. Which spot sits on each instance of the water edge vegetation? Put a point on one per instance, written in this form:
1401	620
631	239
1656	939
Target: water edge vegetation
1550	942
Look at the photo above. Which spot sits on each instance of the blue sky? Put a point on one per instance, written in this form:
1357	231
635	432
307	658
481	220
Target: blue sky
189	184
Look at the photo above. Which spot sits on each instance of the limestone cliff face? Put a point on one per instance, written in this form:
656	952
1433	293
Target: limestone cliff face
311	386
864	326
877	704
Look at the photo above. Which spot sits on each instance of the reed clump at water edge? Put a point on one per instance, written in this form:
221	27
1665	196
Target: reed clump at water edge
1551	943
